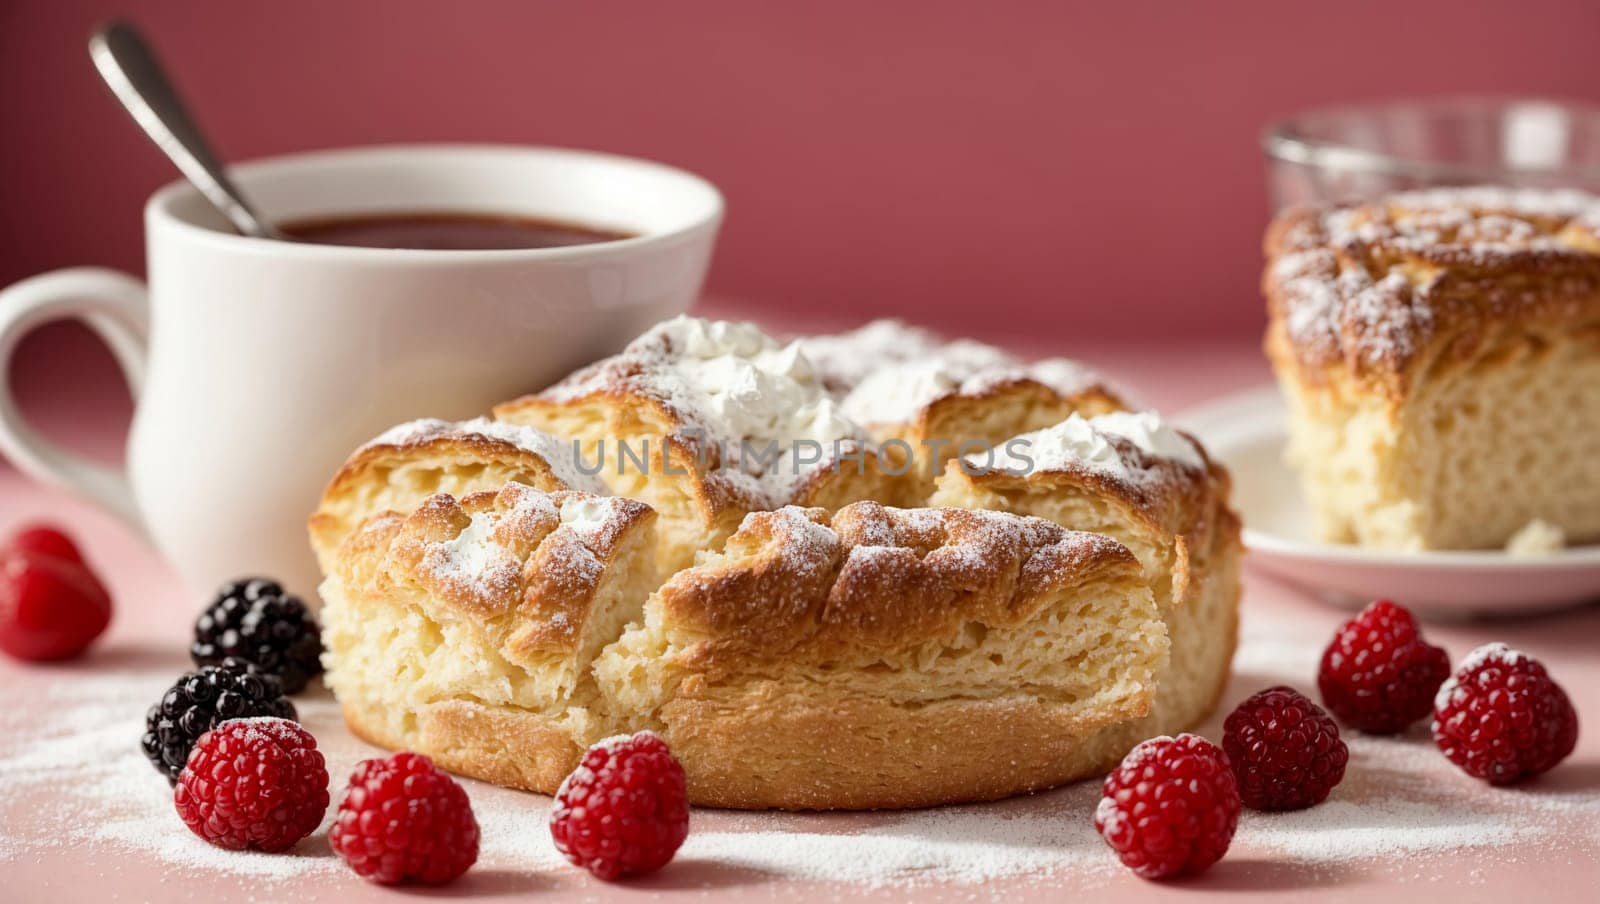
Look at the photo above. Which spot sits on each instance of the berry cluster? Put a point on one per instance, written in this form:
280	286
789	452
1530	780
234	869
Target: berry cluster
253	645
261	784
202	700
1172	806
247	776
254	620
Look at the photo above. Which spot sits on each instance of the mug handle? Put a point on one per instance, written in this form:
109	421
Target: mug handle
117	307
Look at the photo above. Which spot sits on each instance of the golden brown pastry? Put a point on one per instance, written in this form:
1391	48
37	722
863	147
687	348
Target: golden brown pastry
409	463
798	630
1440	355
1132	477
865	659
925	400
708	421
465	630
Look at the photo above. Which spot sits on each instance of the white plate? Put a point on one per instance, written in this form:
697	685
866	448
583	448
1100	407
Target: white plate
1247	432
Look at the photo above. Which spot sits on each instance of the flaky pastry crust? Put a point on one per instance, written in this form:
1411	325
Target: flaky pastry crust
819	662
1438	353
1376	294
399	469
814	640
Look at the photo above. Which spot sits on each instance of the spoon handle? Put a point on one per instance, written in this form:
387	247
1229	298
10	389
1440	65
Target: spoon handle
131	69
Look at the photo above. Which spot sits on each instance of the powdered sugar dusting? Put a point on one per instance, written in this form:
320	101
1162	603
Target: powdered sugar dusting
731	385
843	360
594	519
1147	750
956	541
480	561
806	545
886	372
1477	659
474	560
561	455
1357	282
1137	449
78	791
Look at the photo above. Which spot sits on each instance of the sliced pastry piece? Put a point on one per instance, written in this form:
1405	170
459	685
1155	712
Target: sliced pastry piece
707	421
1440	355
885	657
1132	477
926	400
465	629
409	463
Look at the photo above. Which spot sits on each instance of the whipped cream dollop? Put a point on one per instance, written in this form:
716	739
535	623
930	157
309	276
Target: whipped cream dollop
1088	442
843	360
474	551
1152	434
897	391
734	386
746	386
593	518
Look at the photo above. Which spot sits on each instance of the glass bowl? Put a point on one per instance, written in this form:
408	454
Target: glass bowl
1338	153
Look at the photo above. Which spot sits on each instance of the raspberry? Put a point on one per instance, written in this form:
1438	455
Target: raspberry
1285	751
256	621
624	810
48	542
404	820
253	783
1502	718
1378	675
200	701
1171	807
50	607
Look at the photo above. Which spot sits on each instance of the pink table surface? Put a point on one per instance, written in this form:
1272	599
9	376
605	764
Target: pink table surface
1451	836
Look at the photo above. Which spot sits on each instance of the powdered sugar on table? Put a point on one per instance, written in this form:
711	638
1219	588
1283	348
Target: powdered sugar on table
76	785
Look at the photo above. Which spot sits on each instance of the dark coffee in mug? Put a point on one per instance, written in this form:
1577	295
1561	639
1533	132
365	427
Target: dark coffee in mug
445	231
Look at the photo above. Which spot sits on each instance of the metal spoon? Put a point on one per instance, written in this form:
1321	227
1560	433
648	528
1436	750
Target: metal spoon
130	67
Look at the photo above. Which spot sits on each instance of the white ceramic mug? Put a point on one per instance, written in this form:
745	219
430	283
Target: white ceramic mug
258	365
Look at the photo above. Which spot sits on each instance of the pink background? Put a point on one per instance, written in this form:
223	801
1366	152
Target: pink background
1056	171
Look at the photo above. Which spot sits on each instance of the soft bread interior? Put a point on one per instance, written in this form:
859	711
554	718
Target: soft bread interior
1480	449
400	483
1196	590
481	603
1439	351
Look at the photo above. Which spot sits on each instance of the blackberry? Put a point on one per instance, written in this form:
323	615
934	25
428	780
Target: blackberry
199	701
256	621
